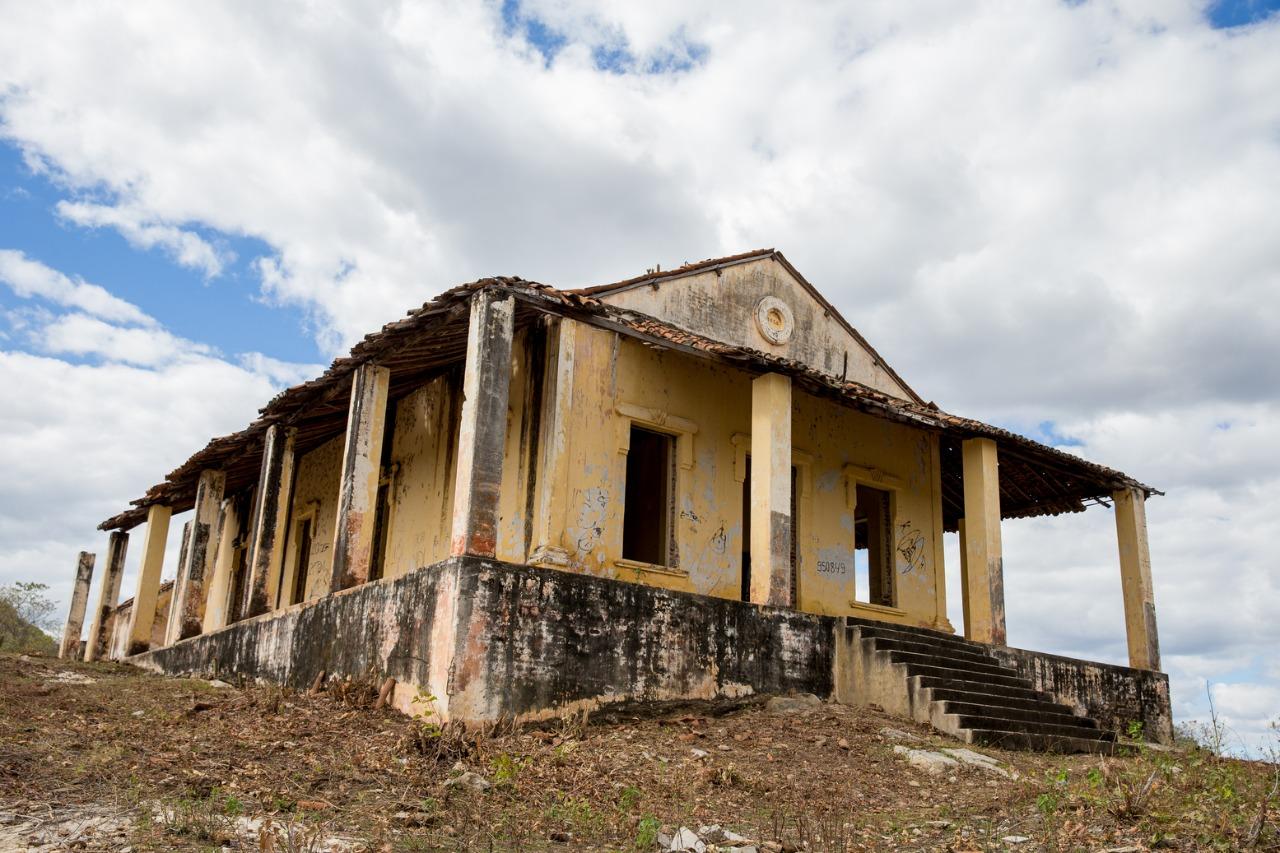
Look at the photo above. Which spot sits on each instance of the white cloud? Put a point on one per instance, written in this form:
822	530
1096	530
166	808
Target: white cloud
1043	211
186	247
78	334
28	278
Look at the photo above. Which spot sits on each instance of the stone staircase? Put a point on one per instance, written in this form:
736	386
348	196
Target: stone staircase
961	689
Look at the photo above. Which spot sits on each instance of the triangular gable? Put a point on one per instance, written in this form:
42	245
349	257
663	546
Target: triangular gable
758	300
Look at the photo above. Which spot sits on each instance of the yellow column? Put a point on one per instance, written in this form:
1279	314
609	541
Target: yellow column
553	477
984	566
215	611
70	645
771	490
143	613
482	431
199	553
108	594
361	470
1135	580
275	493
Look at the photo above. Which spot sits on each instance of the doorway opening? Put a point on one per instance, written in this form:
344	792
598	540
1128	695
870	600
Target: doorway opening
873	547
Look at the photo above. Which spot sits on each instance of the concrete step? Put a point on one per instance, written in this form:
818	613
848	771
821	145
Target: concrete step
1029	715
1038	742
944	694
991	721
894	644
952	674
944	661
921	635
952	680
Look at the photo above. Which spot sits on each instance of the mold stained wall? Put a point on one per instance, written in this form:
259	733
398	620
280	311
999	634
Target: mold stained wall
722	304
613	373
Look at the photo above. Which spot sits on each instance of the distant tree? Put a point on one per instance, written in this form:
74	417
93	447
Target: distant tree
26	612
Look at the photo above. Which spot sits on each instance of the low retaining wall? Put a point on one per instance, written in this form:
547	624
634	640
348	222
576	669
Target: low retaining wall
1115	696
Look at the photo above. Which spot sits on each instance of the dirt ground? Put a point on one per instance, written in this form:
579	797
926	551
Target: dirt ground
103	757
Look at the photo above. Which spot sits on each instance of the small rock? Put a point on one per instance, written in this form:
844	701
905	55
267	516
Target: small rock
664	840
470	781
699	753
138	713
977	759
933	763
898	734
733	838
217	682
686	839
722	747
792	704
1129	849
711	834
842	743
1015	839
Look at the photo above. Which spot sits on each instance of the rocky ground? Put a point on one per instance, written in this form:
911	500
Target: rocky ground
102	757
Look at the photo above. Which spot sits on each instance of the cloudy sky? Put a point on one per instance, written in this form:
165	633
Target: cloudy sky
1061	217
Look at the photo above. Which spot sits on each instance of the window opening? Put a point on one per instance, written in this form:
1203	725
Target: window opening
873	547
304	562
235	603
646	517
382	510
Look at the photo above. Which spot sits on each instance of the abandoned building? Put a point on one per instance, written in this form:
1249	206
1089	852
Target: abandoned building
696	484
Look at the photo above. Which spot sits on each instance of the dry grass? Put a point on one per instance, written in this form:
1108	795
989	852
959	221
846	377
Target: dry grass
187	760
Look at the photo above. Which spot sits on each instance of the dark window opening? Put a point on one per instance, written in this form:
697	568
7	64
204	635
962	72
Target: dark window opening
380	525
239	572
746	533
382	509
304	562
646	517
873	547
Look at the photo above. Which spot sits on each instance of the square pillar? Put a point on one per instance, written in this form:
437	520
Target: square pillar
199	553
271	517
552	508
70	645
361	470
143	613
108	594
771	490
983	564
215	609
1135	579
482	433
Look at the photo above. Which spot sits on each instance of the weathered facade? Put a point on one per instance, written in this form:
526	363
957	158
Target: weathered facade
696	484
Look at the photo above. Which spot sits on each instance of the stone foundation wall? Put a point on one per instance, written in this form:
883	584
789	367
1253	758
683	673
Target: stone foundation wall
493	640
1115	696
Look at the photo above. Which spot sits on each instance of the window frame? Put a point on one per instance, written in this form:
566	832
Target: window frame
682	431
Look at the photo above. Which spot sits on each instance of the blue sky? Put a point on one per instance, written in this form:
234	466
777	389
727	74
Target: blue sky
228	312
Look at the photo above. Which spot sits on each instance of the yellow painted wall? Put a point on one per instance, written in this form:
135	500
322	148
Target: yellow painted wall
424	451
315	495
682	393
721	305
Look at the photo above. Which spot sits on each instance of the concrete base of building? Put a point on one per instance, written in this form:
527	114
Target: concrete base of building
478	641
